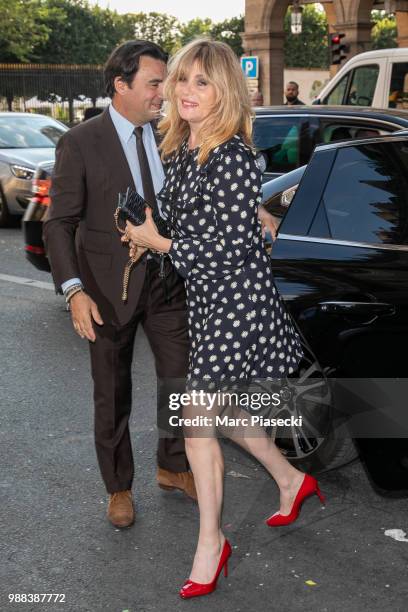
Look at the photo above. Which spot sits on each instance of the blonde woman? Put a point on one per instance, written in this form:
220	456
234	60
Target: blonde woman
239	328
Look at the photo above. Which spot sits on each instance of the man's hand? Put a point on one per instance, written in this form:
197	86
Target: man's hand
269	222
83	311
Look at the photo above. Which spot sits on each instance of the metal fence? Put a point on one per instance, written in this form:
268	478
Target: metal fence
61	91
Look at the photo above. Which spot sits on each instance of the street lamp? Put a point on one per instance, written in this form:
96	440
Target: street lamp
296	18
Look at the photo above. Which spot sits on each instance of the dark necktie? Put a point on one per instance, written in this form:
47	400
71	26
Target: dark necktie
147	182
148	192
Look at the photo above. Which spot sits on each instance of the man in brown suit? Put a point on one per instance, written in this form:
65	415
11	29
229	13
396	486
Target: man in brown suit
95	161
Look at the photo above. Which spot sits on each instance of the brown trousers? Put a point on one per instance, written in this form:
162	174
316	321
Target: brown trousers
165	325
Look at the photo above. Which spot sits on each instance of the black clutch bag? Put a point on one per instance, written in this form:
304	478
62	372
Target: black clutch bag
132	207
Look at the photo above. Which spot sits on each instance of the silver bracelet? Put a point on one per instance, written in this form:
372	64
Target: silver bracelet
71	291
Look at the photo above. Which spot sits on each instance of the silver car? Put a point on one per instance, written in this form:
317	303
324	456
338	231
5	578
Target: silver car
25	141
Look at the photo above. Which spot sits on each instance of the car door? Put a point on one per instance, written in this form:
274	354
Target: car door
342	250
283	142
397	96
341	261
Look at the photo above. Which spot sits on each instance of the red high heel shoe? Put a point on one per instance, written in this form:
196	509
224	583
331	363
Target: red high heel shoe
195	589
308	487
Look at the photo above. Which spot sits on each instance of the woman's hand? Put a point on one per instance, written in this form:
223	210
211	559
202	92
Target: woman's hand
269	222
135	252
146	235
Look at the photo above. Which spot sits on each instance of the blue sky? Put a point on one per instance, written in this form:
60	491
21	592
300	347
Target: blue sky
217	10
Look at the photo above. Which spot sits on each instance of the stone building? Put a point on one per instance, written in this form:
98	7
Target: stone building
264	36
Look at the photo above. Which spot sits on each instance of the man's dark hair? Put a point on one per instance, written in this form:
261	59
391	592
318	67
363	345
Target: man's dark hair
123	62
293	83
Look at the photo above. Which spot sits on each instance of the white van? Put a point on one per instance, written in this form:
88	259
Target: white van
375	78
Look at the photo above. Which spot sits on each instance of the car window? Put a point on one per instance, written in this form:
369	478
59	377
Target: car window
398	94
279	142
362	86
337	94
31	131
366	196
346	130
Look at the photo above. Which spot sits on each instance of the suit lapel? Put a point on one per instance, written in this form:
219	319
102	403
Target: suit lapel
118	176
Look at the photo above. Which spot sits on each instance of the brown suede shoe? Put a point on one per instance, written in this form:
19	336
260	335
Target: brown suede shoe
120	509
184	481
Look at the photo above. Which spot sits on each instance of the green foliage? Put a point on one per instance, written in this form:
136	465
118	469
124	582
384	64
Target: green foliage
157	27
193	29
384	32
308	49
78	33
229	31
59	31
22	27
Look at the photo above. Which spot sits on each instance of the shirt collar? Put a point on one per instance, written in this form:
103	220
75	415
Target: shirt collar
123	126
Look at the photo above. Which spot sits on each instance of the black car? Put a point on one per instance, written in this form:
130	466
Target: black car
341	262
284	136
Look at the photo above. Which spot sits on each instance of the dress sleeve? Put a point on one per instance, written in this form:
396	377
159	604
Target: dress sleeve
235	181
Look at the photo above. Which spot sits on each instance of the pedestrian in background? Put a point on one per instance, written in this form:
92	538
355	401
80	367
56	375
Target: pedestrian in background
292	94
257	98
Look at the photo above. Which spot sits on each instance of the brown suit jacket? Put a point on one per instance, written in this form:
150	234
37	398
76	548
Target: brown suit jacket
80	234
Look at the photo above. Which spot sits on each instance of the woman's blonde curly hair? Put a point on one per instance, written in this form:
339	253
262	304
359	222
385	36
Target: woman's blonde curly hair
232	113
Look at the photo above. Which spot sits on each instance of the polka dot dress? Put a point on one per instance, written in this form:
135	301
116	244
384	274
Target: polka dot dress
239	328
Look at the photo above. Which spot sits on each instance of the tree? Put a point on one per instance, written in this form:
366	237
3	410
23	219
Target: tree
162	29
229	31
79	33
21	28
384	32
308	49
193	29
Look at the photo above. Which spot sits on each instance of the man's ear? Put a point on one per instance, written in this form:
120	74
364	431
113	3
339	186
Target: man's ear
120	85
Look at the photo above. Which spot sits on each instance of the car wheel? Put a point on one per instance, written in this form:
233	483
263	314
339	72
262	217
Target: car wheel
317	445
4	211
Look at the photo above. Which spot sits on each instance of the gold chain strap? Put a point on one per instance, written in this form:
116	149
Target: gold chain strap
116	217
130	263
132	260
126	275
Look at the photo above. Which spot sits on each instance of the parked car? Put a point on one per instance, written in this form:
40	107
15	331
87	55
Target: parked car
373	78
341	262
35	215
284	137
26	139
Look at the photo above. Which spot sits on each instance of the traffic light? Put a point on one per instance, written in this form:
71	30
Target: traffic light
338	51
